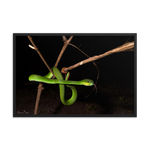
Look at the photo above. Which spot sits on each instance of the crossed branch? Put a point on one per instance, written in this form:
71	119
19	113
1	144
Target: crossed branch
125	47
40	87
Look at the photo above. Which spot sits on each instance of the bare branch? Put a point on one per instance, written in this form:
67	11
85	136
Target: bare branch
35	48
40	89
125	47
30	38
64	38
63	49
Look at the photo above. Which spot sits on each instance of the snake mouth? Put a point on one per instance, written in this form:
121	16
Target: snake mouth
95	88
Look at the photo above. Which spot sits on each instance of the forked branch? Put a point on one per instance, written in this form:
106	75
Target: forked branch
40	88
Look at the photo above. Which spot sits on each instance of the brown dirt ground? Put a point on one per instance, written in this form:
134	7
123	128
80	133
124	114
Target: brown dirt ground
110	99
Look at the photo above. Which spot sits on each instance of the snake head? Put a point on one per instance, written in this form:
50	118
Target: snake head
87	82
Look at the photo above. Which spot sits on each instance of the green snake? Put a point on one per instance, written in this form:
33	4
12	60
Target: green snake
60	80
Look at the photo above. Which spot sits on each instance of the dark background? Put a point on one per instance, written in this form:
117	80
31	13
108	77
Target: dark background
118	67
116	71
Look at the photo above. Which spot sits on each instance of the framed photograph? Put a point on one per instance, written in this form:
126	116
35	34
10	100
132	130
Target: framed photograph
74	75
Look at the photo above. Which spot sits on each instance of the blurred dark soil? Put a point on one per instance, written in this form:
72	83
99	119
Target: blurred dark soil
110	99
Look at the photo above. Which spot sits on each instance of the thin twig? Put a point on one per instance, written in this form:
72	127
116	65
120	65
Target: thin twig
125	47
35	48
66	42
40	89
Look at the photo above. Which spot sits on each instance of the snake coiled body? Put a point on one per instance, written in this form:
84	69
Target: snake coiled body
60	80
